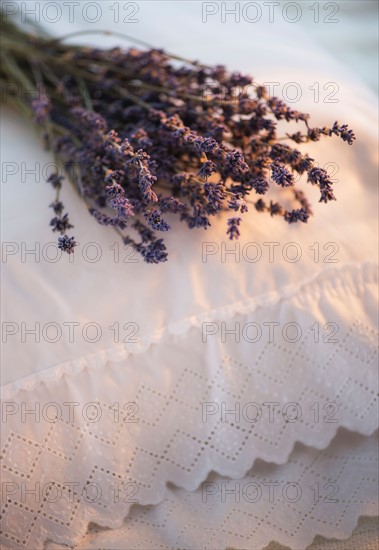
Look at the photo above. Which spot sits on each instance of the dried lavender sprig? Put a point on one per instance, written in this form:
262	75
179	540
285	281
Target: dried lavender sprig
123	150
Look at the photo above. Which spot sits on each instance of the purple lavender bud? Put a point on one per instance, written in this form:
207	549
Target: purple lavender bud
314	134
240	80
114	190
55	180
61	224
122	206
179	180
319	176
260	205
262	92
236	162
103	219
57	206
113	136
215	193
126	148
207	169
304	164
282	111
155	252
114	176
298	137
233	230
206	145
67	244
41	107
153	218
171	204
293	157
281	175
275	208
199	219
327	195
293	216
260	186
142	139
237	203
90	118
146	181
343	132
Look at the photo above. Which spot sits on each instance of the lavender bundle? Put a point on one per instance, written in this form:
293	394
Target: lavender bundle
141	134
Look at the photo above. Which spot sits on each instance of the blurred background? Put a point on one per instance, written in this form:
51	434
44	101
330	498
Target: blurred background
346	29
355	41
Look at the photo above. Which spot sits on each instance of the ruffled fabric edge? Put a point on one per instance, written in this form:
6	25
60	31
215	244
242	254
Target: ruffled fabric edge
347	533
346	277
342	532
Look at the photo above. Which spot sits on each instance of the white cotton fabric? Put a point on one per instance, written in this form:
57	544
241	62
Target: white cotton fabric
187	407
169	372
328	490
365	535
315	492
